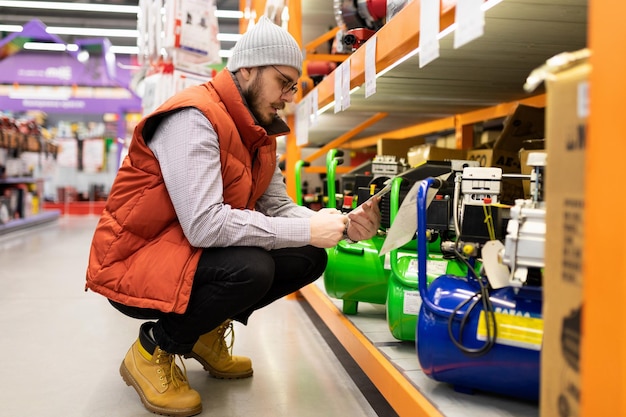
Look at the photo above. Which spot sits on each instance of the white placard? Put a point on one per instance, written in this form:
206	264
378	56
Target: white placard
345	84
429	30
314	107
370	66
470	21
338	84
302	121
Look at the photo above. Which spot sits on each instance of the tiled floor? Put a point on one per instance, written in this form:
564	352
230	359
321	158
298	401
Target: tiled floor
61	347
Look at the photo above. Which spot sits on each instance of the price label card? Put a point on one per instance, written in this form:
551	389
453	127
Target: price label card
429	30
370	66
470	21
345	84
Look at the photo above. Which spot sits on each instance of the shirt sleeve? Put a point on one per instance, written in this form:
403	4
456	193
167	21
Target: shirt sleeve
276	202
187	148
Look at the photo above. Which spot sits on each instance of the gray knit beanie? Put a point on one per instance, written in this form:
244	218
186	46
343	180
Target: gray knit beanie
266	44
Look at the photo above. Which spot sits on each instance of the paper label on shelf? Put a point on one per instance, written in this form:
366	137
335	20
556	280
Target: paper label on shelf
370	66
302	121
514	328
345	84
337	88
470	21
429	29
314	107
412	302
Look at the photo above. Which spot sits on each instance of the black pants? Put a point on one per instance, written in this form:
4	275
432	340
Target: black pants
231	283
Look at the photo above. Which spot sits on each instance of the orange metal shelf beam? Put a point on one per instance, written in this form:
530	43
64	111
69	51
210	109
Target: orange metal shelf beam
404	133
500	110
603	355
446	123
323	170
405	399
345	137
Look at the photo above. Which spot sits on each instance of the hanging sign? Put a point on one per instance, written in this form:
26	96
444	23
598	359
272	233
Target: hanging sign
429	31
345	84
470	21
338	85
370	66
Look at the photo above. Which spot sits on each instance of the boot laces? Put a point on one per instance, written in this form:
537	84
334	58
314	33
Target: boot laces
173	374
225	331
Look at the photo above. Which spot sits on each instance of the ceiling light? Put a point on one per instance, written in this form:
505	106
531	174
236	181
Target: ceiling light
79	7
45	46
101	8
105	33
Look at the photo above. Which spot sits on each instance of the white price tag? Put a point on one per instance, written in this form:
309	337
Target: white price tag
338	84
470	21
345	84
429	30
370	66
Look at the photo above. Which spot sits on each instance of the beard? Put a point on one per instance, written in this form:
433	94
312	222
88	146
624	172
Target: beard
254	100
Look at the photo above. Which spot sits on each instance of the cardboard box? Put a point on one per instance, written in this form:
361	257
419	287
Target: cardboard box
417	155
567	111
523	124
396	147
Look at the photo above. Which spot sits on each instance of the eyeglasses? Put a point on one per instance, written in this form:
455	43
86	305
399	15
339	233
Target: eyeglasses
289	86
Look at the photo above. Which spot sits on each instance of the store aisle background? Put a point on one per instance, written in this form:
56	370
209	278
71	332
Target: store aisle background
61	347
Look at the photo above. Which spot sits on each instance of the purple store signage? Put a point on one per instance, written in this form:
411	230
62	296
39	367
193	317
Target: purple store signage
63	69
57	68
78	105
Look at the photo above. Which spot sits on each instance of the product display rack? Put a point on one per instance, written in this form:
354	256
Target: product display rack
398	38
38	217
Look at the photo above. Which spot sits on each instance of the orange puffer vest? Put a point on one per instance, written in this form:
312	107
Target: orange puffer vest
139	254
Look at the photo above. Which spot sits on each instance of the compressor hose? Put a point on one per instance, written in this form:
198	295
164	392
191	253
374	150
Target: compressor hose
490	318
453	314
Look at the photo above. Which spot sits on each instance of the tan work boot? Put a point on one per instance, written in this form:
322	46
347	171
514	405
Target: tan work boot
215	354
160	383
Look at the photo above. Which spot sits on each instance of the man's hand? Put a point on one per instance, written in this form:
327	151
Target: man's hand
327	226
364	220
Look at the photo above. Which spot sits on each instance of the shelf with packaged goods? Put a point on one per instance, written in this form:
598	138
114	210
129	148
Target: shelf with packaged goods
482	74
20	204
479	81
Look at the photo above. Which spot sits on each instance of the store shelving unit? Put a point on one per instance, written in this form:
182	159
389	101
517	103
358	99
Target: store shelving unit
38	217
483	74
480	81
603	354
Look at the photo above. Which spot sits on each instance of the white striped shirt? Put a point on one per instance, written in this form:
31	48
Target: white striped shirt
187	148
